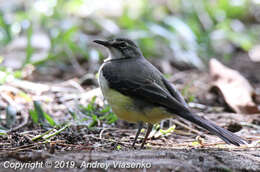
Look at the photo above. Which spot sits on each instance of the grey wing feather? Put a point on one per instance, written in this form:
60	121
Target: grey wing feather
174	92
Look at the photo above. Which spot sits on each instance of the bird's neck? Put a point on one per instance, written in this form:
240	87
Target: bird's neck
114	56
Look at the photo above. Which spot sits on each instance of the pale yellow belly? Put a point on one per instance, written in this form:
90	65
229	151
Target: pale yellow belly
125	108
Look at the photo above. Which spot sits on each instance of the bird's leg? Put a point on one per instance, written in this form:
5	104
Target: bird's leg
149	129
140	126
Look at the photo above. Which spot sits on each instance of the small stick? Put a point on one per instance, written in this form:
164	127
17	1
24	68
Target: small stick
187	127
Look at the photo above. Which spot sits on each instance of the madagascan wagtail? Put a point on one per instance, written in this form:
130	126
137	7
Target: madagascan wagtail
138	92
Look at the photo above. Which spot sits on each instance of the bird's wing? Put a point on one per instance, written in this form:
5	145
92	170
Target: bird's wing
144	89
175	93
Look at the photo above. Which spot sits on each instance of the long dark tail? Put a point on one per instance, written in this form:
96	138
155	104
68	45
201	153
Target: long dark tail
224	134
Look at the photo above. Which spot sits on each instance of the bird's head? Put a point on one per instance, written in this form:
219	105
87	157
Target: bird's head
121	48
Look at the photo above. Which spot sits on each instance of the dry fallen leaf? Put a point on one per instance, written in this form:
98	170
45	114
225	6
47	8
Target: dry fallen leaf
235	89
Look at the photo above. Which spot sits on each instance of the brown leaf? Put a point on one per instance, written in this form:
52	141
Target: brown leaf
235	89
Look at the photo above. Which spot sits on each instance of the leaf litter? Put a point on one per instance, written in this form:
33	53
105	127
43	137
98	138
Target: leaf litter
64	117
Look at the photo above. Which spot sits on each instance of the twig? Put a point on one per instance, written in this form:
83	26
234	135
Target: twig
24	123
57	132
102	131
21	148
197	106
189	128
180	132
41	135
250	125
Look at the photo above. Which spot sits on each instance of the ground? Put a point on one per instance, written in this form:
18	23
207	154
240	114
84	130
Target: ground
75	147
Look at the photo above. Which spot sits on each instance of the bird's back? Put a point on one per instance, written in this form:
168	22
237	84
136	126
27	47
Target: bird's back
132	69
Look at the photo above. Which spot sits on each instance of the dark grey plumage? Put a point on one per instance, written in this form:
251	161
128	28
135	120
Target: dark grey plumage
132	75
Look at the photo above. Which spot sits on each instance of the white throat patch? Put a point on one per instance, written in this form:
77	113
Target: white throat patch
115	54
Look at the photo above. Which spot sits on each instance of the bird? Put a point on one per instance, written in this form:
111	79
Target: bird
138	92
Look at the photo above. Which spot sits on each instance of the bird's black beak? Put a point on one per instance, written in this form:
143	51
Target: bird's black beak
104	43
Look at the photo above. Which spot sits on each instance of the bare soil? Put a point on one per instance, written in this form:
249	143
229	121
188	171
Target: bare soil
79	148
